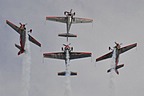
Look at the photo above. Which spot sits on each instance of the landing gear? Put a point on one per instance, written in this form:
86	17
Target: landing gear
62	49
71	48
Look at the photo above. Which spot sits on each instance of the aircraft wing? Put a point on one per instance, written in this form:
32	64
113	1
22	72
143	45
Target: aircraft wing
106	56
34	40
56	55
81	20
126	48
16	28
77	55
57	19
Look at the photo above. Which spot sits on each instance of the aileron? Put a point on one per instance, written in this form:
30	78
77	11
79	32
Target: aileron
57	19
77	55
16	28
56	55
82	20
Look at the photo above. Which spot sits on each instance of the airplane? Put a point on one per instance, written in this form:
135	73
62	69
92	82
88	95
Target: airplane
116	51
69	20
67	55
22	31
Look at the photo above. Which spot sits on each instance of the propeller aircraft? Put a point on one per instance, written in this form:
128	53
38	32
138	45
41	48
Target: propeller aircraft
67	55
22	32
69	20
116	51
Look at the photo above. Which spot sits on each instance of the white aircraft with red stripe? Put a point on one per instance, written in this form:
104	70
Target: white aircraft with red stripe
67	55
116	51
22	31
69	20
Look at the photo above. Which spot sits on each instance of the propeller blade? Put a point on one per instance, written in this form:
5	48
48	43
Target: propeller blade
71	11
66	44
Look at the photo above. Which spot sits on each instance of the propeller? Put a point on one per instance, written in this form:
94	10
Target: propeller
22	24
72	14
67	44
118	43
70	10
69	13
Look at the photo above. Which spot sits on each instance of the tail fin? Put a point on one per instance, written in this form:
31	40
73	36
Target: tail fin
66	73
19	47
116	69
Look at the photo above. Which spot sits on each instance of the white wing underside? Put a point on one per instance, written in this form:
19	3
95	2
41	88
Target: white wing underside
75	20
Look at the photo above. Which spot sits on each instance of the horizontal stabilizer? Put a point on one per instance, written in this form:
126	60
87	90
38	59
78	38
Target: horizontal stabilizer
67	35
18	47
117	67
67	73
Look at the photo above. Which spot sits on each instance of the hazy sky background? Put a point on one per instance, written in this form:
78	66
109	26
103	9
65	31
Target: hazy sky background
114	20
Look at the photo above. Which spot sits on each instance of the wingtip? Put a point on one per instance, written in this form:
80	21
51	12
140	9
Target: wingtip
92	20
135	44
96	60
46	18
7	21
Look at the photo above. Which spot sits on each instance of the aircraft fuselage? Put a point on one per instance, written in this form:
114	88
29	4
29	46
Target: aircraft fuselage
69	22
67	55
116	54
22	39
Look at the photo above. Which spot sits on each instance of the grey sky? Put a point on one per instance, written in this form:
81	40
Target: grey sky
114	20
